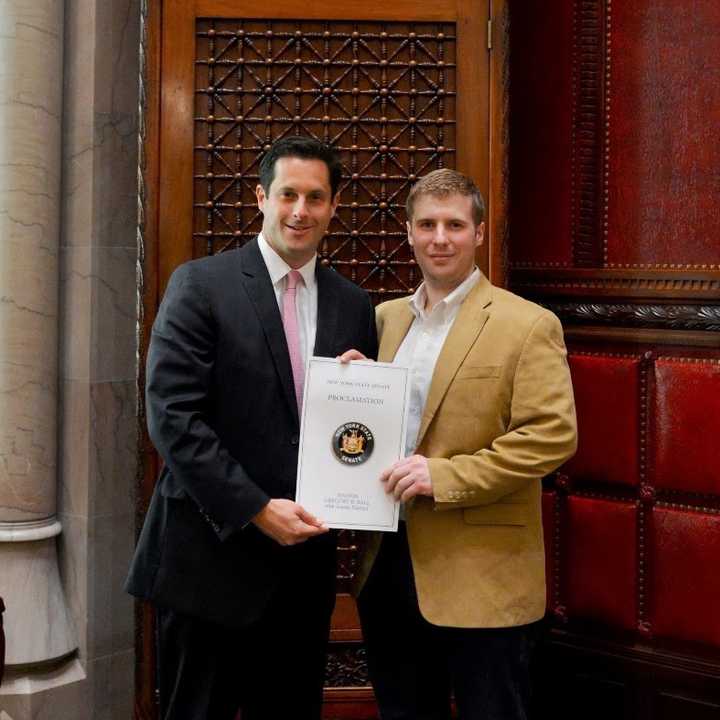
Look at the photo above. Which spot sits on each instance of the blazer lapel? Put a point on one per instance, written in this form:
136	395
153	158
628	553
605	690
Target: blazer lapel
327	313
394	332
468	325
256	279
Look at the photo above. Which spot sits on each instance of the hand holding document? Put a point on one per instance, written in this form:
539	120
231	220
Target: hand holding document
353	428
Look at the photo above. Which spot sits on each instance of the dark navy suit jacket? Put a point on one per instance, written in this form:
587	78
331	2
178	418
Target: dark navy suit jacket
222	414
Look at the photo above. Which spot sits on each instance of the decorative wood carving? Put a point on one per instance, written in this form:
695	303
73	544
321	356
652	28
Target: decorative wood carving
620	283
674	317
382	93
347	667
591	73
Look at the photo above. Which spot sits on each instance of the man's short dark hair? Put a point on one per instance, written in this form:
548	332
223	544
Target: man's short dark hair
305	148
444	182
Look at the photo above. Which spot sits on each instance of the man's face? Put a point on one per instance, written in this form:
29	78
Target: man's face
444	238
297	208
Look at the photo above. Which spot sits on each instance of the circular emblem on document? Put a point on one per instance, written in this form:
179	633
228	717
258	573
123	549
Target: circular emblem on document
353	443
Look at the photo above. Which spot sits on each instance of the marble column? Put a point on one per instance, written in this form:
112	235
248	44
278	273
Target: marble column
38	625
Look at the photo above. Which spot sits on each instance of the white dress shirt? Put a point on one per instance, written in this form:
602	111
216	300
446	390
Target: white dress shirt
422	345
306	298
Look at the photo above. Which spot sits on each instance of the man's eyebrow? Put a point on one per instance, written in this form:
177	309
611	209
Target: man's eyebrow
318	191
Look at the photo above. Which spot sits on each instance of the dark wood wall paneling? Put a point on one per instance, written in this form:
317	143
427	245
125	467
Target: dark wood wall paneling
615	225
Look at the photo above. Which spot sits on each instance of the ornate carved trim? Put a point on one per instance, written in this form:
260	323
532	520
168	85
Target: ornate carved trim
589	133
606	128
141	226
665	283
502	228
146	693
506	27
346	667
672	317
521	265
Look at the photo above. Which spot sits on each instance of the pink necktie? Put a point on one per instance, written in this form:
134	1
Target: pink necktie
292	334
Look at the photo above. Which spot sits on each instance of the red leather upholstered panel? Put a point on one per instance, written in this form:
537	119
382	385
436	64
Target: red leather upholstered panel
600	561
663	132
607	397
684	579
548	518
541	132
686	425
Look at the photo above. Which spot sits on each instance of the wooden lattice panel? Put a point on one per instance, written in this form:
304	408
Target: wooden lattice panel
383	94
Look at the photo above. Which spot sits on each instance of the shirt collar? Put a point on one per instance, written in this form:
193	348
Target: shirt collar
278	268
454	299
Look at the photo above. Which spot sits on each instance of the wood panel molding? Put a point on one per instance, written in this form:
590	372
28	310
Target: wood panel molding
619	283
591	74
665	316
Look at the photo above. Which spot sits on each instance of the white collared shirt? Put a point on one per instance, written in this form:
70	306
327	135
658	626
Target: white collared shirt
422	345
306	298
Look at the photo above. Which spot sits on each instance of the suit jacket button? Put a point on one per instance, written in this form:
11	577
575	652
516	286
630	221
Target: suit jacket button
295	439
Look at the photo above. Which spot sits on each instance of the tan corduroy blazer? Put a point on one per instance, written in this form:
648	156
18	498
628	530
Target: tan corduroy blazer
499	416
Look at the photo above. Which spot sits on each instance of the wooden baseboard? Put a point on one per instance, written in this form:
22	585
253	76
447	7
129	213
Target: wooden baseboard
345	703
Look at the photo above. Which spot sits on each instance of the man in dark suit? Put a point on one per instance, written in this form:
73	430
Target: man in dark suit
243	577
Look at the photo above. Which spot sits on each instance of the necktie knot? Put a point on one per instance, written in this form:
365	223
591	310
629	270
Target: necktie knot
294	278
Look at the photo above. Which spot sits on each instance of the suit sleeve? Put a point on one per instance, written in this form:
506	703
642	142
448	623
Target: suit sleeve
541	434
180	367
371	350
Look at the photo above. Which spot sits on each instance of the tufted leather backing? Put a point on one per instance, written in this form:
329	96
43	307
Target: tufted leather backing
632	522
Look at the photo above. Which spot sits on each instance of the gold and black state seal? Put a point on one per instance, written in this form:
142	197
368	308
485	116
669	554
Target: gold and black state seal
353	443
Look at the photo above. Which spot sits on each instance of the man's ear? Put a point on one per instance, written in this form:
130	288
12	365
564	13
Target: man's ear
261	197
335	202
479	234
409	233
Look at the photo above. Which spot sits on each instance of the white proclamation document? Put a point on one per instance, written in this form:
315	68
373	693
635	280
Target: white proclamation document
353	428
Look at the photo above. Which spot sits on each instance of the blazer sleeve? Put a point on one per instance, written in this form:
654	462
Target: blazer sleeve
180	364
541	434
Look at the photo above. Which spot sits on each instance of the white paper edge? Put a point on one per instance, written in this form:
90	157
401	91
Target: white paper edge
393	526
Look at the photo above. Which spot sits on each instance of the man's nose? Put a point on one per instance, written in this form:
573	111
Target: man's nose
300	207
440	234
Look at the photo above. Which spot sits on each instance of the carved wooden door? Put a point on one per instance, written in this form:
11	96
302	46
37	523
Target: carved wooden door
400	88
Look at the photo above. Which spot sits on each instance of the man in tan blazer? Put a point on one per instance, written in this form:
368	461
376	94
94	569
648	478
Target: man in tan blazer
447	603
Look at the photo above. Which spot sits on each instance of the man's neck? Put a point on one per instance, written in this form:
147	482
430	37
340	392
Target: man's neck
437	293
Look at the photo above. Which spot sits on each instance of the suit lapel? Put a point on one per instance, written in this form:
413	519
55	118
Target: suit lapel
464	332
256	279
327	313
394	331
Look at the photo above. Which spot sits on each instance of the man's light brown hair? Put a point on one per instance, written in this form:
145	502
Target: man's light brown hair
440	184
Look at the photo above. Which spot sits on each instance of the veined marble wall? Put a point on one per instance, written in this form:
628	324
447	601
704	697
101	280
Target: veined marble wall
38	626
95	462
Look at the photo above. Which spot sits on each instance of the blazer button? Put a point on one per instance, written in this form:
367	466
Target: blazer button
295	439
